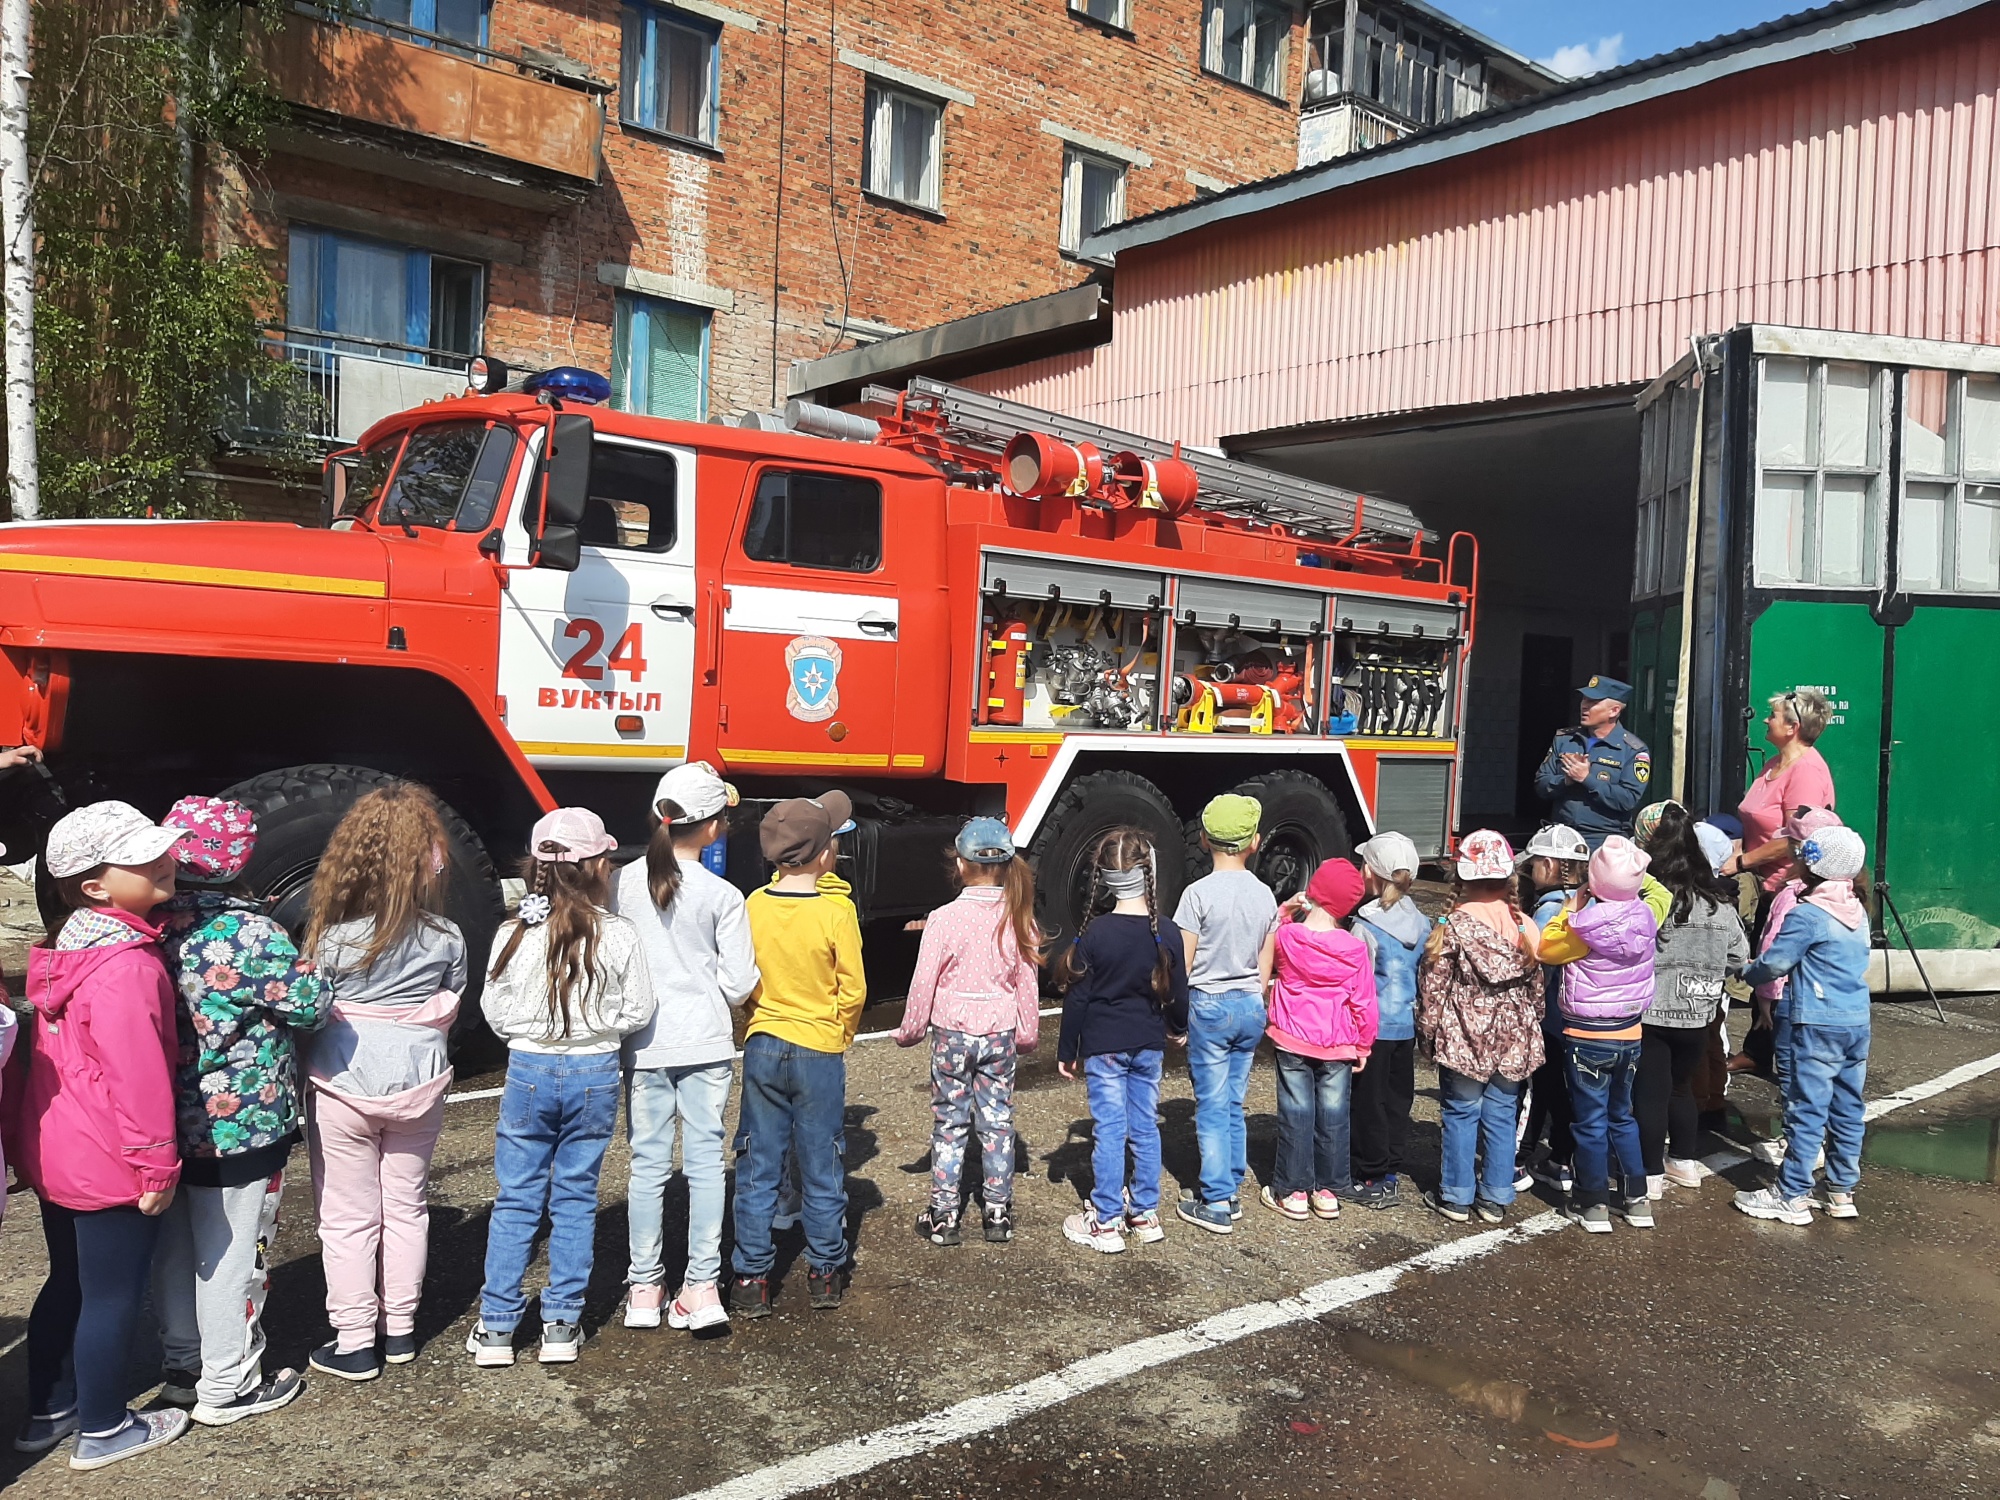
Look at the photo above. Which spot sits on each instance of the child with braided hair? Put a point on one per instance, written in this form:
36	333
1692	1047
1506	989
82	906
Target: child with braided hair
1125	991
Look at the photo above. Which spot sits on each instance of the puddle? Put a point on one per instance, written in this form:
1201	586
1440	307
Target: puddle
1967	1150
1511	1401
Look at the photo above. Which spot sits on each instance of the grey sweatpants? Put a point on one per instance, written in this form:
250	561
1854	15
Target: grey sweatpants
210	1274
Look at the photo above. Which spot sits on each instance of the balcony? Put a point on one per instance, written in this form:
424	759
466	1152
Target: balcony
1345	124
340	387
460	118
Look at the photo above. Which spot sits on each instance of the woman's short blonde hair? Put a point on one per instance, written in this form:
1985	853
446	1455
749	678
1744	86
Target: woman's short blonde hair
1807	708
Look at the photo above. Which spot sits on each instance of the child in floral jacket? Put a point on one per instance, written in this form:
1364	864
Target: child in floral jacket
243	991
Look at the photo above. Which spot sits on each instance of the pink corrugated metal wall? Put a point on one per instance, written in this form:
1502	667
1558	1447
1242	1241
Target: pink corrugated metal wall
1856	191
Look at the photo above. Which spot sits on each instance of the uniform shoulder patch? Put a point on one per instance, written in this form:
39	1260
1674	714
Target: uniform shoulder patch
1642	768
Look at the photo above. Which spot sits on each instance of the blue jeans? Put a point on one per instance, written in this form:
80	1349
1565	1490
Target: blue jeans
1224	1027
1476	1123
1781	1051
1601	1075
1823	1102
1124	1109
796	1097
654	1099
556	1118
1313	1126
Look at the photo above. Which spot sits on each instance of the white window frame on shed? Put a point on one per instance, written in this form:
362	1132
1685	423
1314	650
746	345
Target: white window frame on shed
1071	233
1951	484
1820	469
1257	17
882	173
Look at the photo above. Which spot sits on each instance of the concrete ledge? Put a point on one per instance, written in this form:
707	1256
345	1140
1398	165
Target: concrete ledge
1131	156
903	77
1892	971
672	288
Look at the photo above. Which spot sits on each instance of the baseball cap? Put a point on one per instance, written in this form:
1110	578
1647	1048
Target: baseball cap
1485	855
796	830
1715	845
105	833
696	790
1807	821
1617	868
568	836
1335	887
1600	686
1834	854
217	838
1231	820
985	841
1387	853
1557	841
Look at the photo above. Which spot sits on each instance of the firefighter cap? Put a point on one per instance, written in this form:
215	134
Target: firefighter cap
1606	687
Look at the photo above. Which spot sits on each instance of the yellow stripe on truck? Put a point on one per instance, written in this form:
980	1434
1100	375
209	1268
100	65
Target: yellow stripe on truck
603	752
159	572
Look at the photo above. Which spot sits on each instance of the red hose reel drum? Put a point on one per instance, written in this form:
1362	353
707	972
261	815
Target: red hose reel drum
1168	484
1037	465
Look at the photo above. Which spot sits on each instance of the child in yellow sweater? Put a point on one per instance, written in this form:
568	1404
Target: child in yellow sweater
803	1016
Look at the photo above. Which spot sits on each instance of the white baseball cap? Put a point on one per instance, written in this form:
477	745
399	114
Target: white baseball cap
1485	855
105	833
1557	841
1387	853
696	790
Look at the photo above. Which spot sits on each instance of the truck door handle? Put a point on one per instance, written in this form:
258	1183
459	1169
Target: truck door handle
876	625
665	608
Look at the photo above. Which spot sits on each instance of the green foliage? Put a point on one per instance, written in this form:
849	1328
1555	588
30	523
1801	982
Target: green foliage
145	345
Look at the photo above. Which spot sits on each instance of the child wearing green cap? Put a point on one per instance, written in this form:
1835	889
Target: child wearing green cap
1224	918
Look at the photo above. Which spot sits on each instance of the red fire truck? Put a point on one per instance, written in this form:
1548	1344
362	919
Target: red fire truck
946	604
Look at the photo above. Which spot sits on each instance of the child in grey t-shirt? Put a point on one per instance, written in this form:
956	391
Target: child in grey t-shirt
1224	917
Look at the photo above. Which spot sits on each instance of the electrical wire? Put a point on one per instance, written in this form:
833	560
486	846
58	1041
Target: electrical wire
778	212
832	214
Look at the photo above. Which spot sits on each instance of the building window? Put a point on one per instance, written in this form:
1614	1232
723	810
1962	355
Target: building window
825	521
399	301
1397	64
904	150
668	73
1093	197
1951	488
1245	40
453	20
1666	472
1819	476
659	358
1111	12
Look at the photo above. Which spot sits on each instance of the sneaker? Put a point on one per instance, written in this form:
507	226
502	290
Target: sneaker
560	1342
177	1387
1682	1172
1638	1212
698	1306
1458	1213
823	1288
1325	1204
1214	1217
1768	1203
999	1223
1554	1174
399	1348
1489	1212
1596	1219
356	1364
1235	1207
939	1226
39	1434
644	1302
1771	1152
1837	1205
490	1348
1524	1177
751	1296
1292	1205
142	1431
274	1391
1144	1225
1106	1237
1656	1186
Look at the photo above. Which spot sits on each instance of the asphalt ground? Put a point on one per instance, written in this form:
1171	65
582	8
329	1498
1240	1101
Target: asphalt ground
1712	1356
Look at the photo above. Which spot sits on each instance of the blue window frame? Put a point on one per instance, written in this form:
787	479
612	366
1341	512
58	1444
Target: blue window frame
659	358
378	293
669	73
454	20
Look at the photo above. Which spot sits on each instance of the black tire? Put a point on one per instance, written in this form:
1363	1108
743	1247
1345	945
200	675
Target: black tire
1302	827
297	810
1090	807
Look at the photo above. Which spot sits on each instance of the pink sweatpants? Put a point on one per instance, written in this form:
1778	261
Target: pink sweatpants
371	1188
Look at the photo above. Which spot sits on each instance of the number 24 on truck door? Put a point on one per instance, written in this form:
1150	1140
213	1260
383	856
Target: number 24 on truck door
628	656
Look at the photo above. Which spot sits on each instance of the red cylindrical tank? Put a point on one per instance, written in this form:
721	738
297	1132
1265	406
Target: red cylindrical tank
1037	465
1006	675
1169	484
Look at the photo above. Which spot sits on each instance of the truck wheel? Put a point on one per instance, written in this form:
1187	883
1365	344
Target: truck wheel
297	810
1302	828
1090	807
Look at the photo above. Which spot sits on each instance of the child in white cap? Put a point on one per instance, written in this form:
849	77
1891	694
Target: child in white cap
678	1065
1394	928
1821	953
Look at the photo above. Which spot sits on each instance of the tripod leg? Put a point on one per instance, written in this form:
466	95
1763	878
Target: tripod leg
1935	1005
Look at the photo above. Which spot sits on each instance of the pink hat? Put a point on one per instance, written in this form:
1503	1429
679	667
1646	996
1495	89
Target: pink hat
1335	888
1807	821
568	836
219	838
1616	867
1485	855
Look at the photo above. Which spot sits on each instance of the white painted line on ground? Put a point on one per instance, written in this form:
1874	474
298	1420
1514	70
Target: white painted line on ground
1916	1093
980	1414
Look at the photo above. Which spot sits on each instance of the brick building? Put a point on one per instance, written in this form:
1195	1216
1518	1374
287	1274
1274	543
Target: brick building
692	196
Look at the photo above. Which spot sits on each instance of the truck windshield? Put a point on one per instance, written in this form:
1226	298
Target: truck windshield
450	476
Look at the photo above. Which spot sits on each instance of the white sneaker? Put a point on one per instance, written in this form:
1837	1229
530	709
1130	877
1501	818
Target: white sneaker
1837	1205
1085	1229
1682	1172
643	1302
1767	1203
698	1306
1771	1152
1656	1186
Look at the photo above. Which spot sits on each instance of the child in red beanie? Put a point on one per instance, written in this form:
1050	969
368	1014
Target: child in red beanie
1319	982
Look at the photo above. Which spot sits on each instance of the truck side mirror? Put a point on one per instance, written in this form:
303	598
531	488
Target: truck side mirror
566	476
559	547
332	491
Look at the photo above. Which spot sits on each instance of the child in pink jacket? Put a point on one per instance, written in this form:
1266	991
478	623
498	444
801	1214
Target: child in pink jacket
1319	982
92	1130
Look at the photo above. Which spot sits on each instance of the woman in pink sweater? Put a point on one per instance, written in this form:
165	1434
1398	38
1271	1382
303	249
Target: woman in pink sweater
975	991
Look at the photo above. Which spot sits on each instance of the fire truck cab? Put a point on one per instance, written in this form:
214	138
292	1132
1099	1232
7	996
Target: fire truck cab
946	605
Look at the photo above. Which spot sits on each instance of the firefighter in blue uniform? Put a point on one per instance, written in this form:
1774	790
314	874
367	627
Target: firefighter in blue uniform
1595	775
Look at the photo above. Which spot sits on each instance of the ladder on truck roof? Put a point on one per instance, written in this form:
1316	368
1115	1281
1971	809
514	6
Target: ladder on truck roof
1303	506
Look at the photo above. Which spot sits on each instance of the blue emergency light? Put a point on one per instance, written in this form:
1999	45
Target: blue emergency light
570	384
